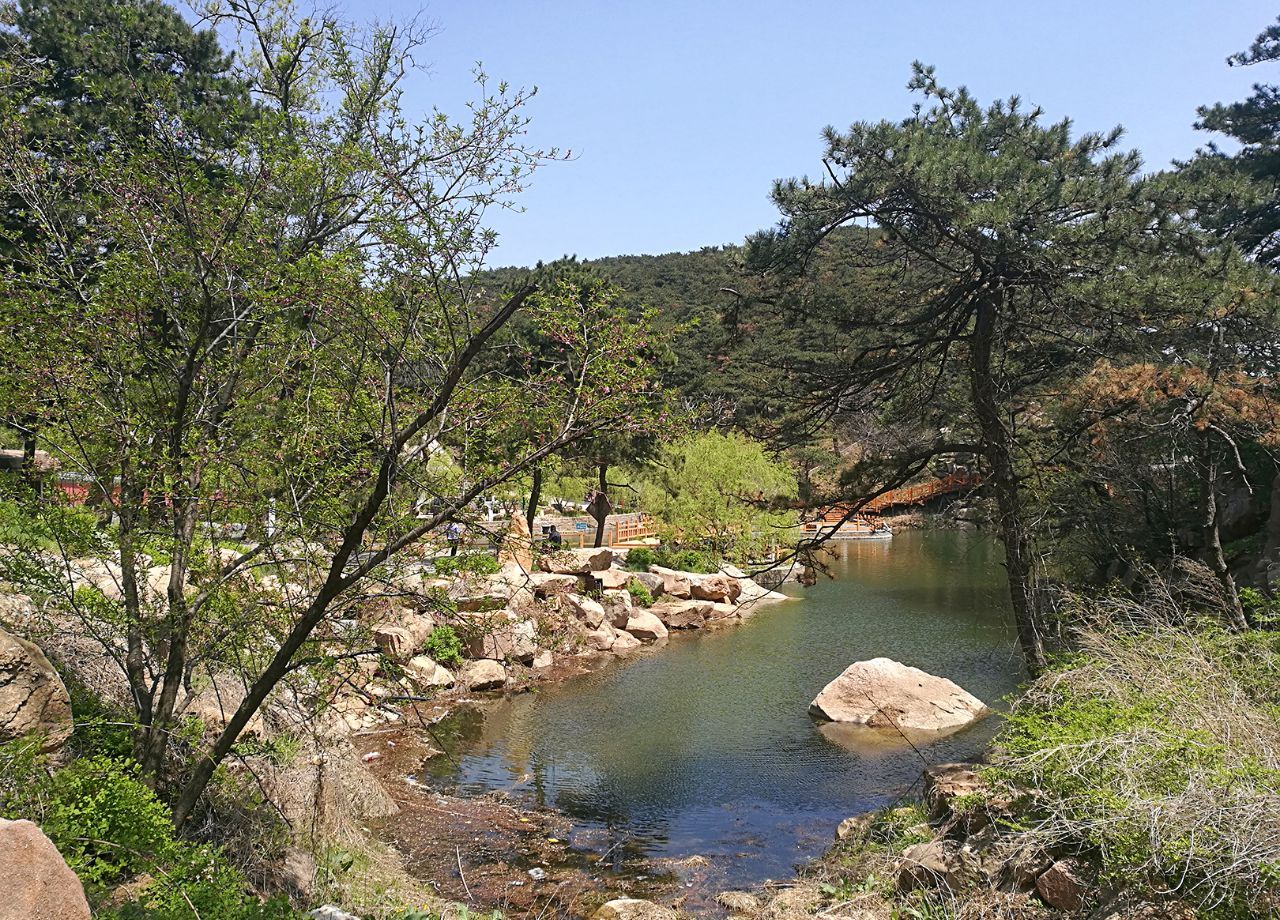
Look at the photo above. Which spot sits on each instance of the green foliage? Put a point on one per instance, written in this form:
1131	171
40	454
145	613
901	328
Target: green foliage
901	827
683	560
444	645
104	821
111	828
689	560
100	728
463	913
640	593
1249	209
49	527
1261	609
640	558
717	492
197	881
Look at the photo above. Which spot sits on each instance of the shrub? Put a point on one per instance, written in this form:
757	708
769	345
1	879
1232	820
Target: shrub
1261	609
1157	747
691	560
684	560
467	564
100	728
105	822
444	645
198	882
640	558
110	827
640	593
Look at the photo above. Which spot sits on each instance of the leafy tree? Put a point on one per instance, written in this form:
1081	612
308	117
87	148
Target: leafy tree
995	262
288	332
719	491
82	80
1197	404
629	442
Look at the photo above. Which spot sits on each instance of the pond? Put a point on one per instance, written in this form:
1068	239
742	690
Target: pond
704	747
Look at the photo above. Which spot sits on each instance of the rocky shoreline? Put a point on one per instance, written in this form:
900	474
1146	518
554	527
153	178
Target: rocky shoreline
529	624
574	612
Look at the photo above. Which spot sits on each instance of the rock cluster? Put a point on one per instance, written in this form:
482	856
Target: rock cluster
578	602
973	848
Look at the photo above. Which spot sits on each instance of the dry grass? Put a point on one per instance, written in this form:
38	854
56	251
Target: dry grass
1157	748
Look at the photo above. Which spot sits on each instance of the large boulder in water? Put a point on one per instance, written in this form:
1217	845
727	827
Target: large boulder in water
38	884
883	693
33	699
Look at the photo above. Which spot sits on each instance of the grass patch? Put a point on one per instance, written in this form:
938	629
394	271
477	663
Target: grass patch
1157	749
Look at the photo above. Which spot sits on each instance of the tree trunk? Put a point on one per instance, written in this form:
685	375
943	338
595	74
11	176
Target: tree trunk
1211	531
998	450
600	506
177	633
29	471
535	496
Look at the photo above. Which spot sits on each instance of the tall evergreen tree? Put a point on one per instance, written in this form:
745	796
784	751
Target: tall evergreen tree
1251	214
1000	261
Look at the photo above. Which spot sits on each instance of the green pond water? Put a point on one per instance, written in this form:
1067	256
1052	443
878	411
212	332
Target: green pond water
705	746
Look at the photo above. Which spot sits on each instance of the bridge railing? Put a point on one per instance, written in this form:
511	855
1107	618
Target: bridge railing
907	495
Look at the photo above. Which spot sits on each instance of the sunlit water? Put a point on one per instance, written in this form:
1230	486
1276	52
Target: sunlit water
706	746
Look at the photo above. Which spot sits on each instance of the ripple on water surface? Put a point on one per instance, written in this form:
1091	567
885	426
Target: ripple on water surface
706	747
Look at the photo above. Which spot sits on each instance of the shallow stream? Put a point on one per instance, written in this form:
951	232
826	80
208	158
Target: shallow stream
705	747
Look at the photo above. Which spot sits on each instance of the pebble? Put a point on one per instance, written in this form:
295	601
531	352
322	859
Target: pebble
537	874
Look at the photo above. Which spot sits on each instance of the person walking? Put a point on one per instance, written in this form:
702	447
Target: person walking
453	534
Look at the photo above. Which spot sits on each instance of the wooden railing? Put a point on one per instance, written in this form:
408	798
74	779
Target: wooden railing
895	498
633	529
920	493
627	532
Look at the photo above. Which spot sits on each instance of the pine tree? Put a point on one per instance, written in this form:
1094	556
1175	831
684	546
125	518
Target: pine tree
999	255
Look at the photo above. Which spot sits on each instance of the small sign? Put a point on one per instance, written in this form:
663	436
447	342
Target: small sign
579	525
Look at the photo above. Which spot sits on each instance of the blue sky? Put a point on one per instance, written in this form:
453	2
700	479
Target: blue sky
680	115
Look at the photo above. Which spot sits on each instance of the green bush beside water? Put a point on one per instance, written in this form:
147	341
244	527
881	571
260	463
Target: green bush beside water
444	645
640	593
111	828
1155	751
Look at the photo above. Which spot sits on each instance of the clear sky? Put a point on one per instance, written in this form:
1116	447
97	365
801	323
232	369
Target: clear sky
681	114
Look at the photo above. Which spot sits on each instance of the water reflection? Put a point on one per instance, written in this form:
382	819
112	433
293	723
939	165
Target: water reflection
705	747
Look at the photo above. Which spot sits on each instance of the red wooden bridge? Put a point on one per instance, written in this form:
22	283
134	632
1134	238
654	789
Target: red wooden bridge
904	497
921	492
